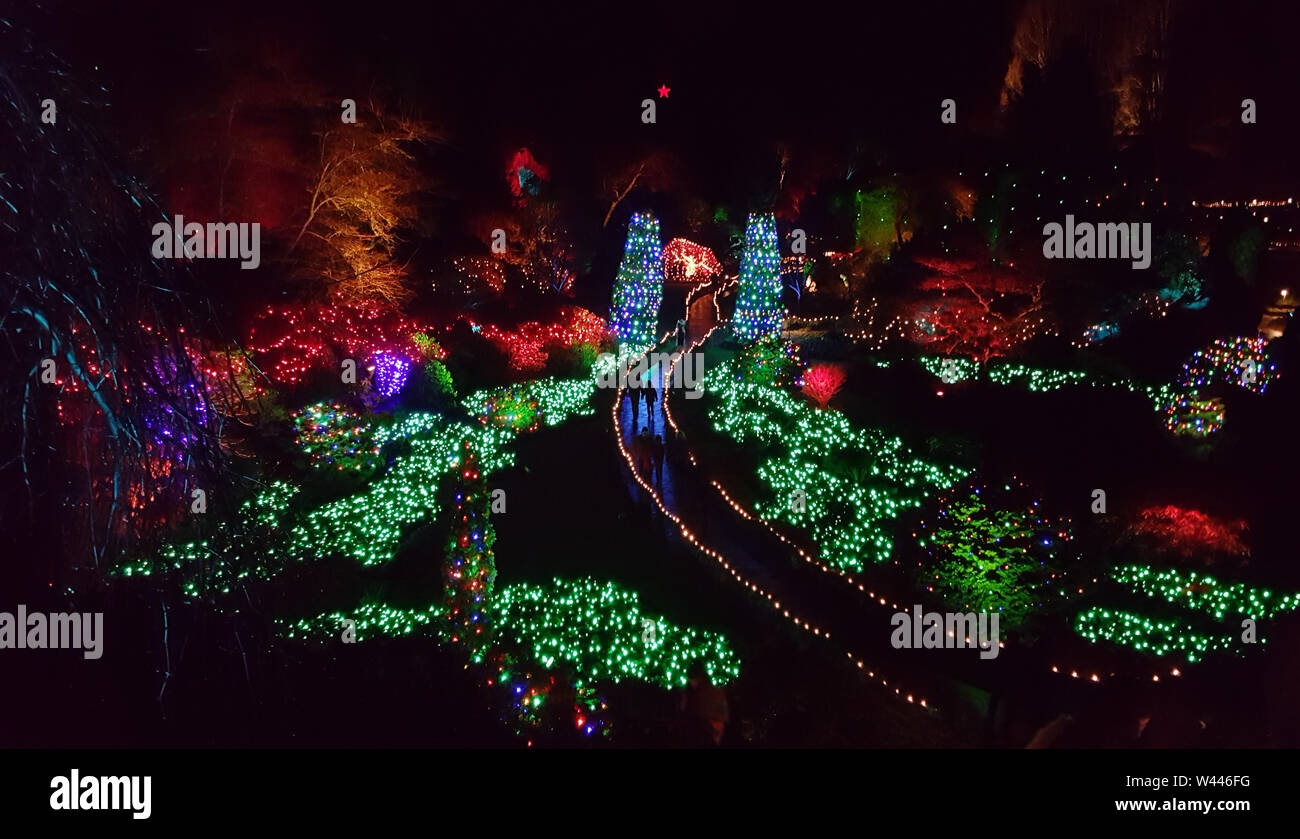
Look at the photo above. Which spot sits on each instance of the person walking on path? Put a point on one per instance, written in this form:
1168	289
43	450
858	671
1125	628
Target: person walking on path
635	398
657	458
679	455
649	393
642	453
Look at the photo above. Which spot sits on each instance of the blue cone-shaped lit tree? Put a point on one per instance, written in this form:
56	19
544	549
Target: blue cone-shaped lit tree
759	312
639	286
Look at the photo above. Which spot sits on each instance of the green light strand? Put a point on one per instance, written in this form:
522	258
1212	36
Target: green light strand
1204	593
845	485
599	629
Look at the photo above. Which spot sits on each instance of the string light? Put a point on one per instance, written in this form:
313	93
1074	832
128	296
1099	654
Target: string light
526	345
639	285
297	339
759	312
390	374
1236	361
753	588
476	274
334	436
847	514
240	549
469	568
525	406
949	369
1147	635
1004	558
688	262
599	629
1186	415
1204	593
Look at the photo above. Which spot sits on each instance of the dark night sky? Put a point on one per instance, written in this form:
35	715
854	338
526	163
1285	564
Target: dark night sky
568	83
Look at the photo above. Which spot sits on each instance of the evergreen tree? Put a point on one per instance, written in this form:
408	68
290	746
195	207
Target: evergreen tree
759	312
996	559
639	286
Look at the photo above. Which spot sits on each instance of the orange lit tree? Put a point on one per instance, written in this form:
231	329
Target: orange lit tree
363	195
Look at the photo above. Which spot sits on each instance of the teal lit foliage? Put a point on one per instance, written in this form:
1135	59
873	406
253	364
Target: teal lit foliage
1035	379
639	285
1184	413
1204	593
243	548
336	438
1178	263
597	628
1101	331
854	483
469	572
759	311
525	406
1006	559
769	361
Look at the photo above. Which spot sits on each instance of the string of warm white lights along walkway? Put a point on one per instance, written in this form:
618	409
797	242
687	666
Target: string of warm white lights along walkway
725	283
875	598
719	558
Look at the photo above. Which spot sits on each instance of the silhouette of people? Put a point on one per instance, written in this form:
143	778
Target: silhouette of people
648	390
642	452
704	708
657	458
677	451
681	333
635	399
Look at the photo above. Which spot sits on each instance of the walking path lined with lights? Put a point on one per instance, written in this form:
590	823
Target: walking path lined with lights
736	562
875	598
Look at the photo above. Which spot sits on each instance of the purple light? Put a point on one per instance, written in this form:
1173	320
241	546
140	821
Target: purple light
390	374
172	432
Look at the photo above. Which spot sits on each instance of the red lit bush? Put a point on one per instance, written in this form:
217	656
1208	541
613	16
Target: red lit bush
821	382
